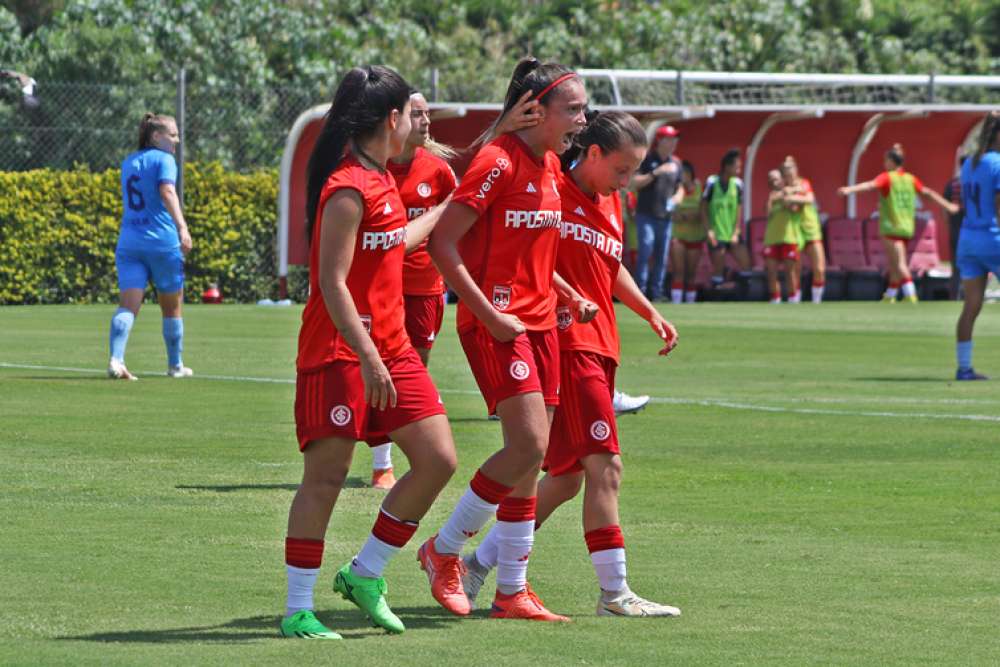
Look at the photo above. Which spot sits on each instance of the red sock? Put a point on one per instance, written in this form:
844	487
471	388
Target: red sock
602	539
393	531
490	491
517	509
306	554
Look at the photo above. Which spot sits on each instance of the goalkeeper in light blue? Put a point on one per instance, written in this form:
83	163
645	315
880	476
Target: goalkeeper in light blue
152	244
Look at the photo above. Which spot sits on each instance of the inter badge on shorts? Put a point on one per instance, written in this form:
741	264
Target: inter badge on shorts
600	430
519	370
501	297
340	415
564	318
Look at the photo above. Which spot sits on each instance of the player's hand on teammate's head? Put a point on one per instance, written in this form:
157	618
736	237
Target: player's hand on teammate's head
584	311
524	114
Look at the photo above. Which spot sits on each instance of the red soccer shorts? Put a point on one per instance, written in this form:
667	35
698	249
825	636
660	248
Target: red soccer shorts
330	401
526	364
584	422
424	315
780	251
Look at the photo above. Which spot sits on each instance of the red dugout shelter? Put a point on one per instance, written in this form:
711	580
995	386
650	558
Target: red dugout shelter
834	142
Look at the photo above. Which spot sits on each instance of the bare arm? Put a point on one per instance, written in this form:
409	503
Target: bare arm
867	186
168	194
629	293
583	309
639	181
456	221
800	197
940	201
679	195
703	212
341	218
421	227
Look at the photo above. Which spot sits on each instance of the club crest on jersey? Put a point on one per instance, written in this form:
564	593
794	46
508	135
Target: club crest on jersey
519	370
424	189
501	297
564	318
366	322
340	415
600	430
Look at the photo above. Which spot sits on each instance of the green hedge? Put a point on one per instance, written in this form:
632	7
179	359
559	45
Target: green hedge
58	231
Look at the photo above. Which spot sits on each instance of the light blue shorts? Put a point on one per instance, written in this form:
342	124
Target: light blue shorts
137	267
978	253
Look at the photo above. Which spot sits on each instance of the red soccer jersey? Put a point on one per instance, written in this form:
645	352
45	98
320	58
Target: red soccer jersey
590	256
510	251
884	184
423	183
376	276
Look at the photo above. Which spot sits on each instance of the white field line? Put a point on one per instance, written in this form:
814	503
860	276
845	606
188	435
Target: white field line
703	402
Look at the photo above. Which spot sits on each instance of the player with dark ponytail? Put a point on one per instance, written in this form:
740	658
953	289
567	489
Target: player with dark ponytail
496	247
359	377
583	445
979	240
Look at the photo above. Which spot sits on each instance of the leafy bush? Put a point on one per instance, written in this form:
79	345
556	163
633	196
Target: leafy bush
58	231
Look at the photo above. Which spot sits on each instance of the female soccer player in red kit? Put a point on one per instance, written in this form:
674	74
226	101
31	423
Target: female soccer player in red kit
496	246
583	446
359	377
424	180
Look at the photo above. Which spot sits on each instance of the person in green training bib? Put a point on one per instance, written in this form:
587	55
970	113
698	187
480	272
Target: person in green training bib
801	202
897	195
721	205
782	240
689	238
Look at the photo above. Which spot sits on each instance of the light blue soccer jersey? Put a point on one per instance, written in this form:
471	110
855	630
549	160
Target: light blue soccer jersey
146	223
979	189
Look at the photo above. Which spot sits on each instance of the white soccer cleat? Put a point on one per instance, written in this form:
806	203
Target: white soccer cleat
625	404
117	370
630	604
179	372
473	578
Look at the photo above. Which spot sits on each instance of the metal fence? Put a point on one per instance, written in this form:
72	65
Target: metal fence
96	125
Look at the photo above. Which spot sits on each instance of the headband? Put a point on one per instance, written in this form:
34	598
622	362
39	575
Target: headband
548	89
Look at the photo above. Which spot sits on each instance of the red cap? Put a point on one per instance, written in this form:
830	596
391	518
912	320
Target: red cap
667	131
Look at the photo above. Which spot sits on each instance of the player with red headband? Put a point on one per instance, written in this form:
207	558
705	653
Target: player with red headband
583	445
359	377
424	180
496	246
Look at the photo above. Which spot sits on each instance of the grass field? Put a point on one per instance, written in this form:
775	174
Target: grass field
808	486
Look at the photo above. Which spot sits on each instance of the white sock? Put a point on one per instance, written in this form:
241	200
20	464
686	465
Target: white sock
891	292
817	293
488	550
676	295
796	297
909	289
373	557
777	300
514	542
382	457
690	295
301	582
610	568
469	517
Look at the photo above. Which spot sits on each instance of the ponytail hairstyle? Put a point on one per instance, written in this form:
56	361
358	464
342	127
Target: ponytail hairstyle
896	154
609	131
152	122
529	74
437	149
363	100
987	136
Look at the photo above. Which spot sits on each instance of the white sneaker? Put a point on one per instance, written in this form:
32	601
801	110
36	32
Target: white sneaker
625	404
630	604
117	370
179	372
473	579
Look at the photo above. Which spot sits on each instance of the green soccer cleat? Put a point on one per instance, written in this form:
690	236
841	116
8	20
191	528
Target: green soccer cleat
369	595
304	625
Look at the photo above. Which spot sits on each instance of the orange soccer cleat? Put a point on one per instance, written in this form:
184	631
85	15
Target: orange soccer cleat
444	571
525	605
383	479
